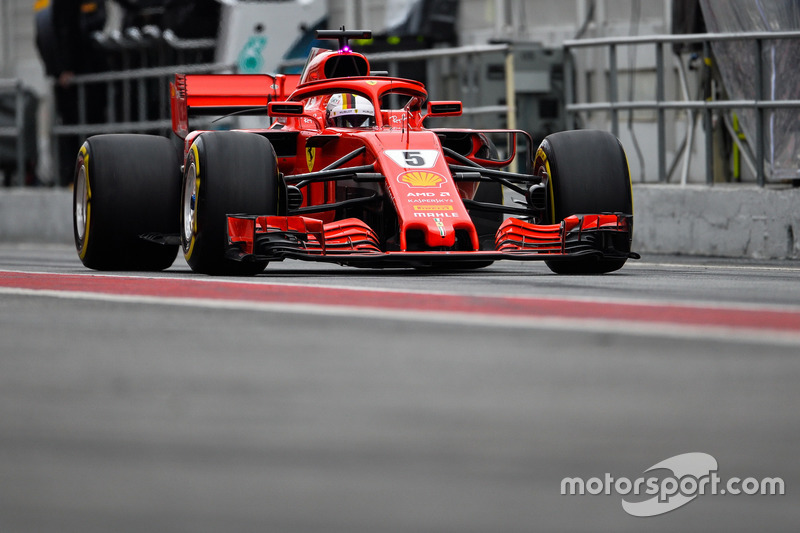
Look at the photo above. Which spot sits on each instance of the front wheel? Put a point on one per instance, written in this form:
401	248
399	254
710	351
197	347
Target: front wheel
225	173
588	174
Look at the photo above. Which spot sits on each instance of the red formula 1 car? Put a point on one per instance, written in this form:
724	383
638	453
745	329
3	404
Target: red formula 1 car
346	173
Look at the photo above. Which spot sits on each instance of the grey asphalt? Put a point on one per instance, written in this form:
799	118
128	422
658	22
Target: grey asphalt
129	417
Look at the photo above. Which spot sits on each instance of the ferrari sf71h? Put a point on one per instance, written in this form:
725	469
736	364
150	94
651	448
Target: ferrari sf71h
347	172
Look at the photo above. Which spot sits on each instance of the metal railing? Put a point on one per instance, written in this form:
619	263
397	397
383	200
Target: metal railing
146	59
470	94
660	104
129	92
120	116
15	86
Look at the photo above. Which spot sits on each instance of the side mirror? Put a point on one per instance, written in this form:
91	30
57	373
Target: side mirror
444	109
285	109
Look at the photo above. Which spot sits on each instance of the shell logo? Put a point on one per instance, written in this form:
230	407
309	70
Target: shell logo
421	179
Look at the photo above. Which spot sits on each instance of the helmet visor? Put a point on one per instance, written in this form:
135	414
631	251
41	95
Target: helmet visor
353	121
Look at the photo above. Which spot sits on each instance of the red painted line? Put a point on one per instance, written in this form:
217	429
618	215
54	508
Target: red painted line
501	306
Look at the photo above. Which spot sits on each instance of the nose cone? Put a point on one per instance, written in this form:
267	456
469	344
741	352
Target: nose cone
428	202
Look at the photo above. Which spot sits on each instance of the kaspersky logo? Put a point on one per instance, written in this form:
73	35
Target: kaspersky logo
421	178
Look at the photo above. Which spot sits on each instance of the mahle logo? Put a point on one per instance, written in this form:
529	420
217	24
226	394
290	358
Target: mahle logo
692	475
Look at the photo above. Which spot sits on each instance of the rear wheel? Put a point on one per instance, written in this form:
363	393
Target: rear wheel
225	173
589	174
125	186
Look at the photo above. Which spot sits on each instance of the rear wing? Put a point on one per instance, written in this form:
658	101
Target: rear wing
222	94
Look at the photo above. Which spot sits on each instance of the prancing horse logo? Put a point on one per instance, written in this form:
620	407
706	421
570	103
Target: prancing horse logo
311	156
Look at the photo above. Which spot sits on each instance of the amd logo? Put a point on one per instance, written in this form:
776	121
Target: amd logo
428	194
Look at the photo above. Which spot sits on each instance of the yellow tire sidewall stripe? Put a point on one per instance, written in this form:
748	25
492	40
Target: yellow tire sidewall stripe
630	182
542	156
84	153
195	155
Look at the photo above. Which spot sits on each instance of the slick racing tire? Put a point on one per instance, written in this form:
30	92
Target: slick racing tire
226	172
588	173
126	186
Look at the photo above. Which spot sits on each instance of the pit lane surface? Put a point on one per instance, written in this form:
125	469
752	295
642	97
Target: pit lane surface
321	398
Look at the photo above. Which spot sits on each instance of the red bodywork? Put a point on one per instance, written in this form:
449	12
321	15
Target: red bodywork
422	182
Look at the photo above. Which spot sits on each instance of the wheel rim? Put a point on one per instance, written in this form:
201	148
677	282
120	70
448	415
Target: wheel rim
189	213
81	203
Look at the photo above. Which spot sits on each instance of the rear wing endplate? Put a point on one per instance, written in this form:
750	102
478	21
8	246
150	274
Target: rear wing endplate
221	94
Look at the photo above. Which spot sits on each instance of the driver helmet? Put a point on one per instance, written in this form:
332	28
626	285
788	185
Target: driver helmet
350	111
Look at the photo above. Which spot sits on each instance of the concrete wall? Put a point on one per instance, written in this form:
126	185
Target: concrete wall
719	221
36	215
698	220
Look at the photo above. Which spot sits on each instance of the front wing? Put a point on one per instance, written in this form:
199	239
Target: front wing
351	241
